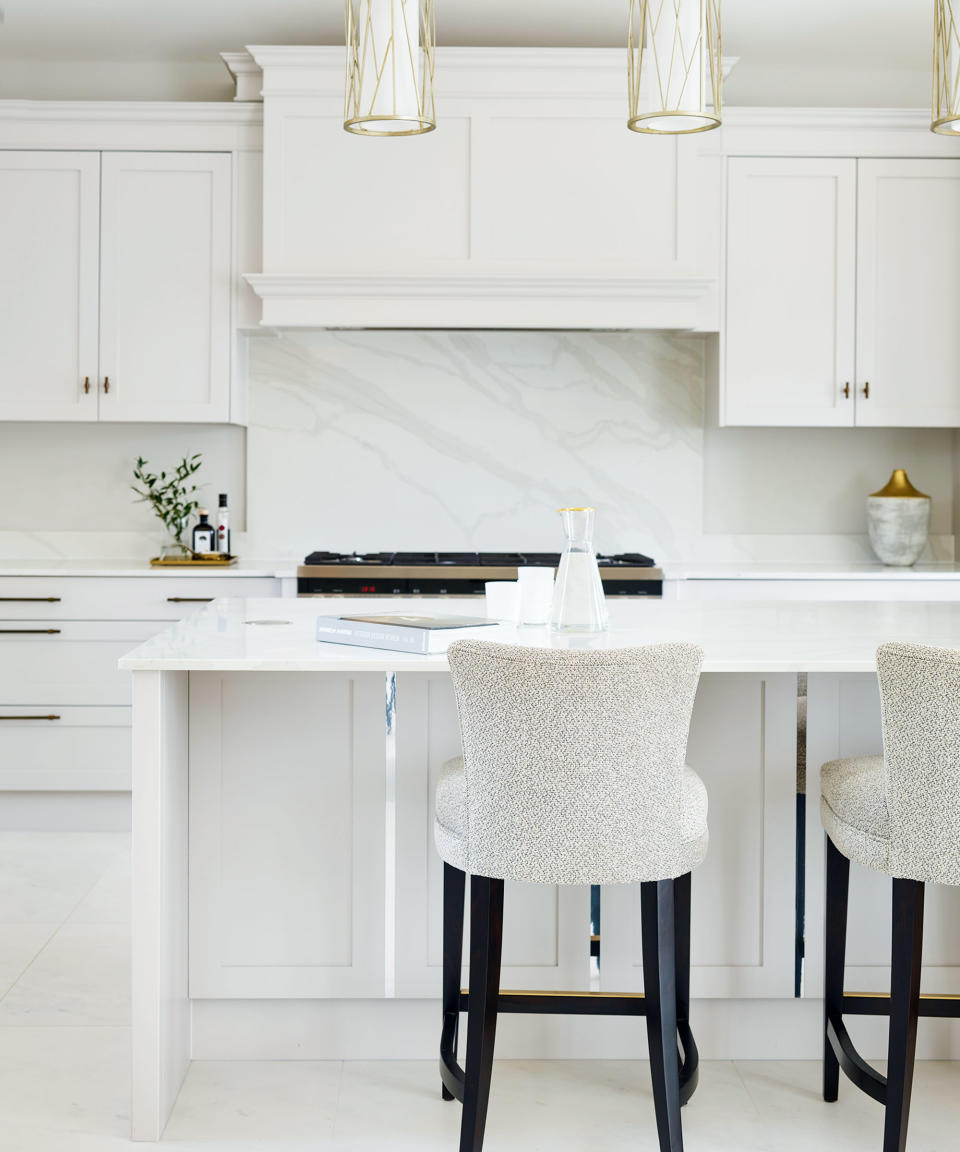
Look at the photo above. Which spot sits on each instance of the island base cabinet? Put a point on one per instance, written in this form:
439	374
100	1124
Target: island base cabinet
742	742
286	835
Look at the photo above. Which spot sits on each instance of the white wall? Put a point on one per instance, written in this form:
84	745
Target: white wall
471	440
65	488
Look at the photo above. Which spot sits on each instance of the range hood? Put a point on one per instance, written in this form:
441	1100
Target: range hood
531	206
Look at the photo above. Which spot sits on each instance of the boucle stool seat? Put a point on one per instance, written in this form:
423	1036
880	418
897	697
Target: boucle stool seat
450	831
572	772
898	814
853	809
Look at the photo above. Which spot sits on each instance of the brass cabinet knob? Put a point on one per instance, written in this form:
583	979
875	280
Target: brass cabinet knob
86	384
846	390
106	385
866	390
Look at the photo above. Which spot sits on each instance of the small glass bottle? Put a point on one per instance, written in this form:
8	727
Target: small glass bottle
578	601
204	534
223	525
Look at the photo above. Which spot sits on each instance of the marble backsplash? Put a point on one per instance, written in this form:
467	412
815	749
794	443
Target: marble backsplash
472	440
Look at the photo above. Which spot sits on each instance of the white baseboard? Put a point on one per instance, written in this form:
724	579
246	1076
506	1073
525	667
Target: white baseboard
410	1030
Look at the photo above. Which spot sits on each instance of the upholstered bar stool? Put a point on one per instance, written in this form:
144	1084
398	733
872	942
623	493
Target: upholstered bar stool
572	773
898	814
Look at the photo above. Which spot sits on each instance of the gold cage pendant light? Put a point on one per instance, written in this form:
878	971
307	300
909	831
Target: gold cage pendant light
673	70
390	68
946	68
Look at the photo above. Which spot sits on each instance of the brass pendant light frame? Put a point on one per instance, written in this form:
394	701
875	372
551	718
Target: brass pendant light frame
946	68
372	69
675	70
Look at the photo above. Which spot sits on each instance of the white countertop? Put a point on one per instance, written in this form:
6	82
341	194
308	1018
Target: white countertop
752	571
737	636
138	566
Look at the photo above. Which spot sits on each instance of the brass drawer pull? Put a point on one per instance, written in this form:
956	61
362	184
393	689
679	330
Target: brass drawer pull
866	390
29	717
29	599
190	599
29	631
846	390
86	385
106	385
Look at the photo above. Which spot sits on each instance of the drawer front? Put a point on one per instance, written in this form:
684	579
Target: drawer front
60	662
64	749
121	598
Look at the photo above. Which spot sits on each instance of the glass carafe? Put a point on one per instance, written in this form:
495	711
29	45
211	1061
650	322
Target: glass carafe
578	603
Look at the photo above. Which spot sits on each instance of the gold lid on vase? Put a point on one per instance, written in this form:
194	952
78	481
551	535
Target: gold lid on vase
899	486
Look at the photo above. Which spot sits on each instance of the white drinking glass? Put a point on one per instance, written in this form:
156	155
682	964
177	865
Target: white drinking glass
536	594
503	600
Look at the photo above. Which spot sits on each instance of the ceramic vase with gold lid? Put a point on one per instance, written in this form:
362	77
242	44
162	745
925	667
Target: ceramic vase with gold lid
898	521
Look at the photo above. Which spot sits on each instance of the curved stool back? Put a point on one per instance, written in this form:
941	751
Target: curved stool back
573	760
920	701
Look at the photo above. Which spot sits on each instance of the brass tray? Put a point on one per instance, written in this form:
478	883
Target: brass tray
203	560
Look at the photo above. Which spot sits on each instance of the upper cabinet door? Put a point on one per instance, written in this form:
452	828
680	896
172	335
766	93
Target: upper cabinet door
788	334
165	287
908	305
49	230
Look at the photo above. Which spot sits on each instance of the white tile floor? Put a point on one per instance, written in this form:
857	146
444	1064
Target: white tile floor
64	1060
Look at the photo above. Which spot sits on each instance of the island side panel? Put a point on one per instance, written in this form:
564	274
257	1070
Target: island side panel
743	745
160	1006
287	794
546	929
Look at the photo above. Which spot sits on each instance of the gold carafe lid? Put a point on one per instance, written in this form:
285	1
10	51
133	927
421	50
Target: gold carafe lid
899	485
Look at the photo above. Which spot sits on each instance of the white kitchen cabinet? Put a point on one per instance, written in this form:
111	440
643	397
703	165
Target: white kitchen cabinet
286	835
165	287
842	291
908	293
64	704
49	254
116	281
788	340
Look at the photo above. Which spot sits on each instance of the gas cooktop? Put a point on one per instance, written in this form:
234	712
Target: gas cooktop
456	573
470	559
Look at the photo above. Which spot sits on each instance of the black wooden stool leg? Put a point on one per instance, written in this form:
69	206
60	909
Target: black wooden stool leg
657	914
486	936
835	948
904	1008
689	1074
453	889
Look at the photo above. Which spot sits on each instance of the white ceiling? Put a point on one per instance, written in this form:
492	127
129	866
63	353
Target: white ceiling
791	51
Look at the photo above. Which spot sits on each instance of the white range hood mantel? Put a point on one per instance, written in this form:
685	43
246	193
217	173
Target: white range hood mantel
531	206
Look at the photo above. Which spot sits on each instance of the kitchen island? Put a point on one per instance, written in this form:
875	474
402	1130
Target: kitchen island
286	890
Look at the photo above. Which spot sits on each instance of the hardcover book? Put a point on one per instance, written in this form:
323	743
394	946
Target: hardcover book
422	634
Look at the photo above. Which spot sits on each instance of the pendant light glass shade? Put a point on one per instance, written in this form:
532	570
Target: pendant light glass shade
674	73
946	68
390	65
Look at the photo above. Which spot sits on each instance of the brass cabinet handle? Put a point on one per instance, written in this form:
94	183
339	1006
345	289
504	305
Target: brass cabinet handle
86	384
28	631
29	717
106	385
866	390
846	390
190	599
29	599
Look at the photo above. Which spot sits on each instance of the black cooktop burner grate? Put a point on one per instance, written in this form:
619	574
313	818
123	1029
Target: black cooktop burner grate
470	559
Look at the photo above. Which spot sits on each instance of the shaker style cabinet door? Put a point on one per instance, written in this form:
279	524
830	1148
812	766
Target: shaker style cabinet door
788	333
165	287
908	293
49	238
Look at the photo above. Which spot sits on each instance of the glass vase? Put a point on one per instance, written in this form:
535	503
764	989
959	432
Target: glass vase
578	601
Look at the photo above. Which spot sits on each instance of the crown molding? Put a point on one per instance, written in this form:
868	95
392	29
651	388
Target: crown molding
132	111
507	300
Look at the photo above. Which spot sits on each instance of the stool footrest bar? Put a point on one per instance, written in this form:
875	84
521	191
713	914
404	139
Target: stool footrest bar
568	1003
878	1004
